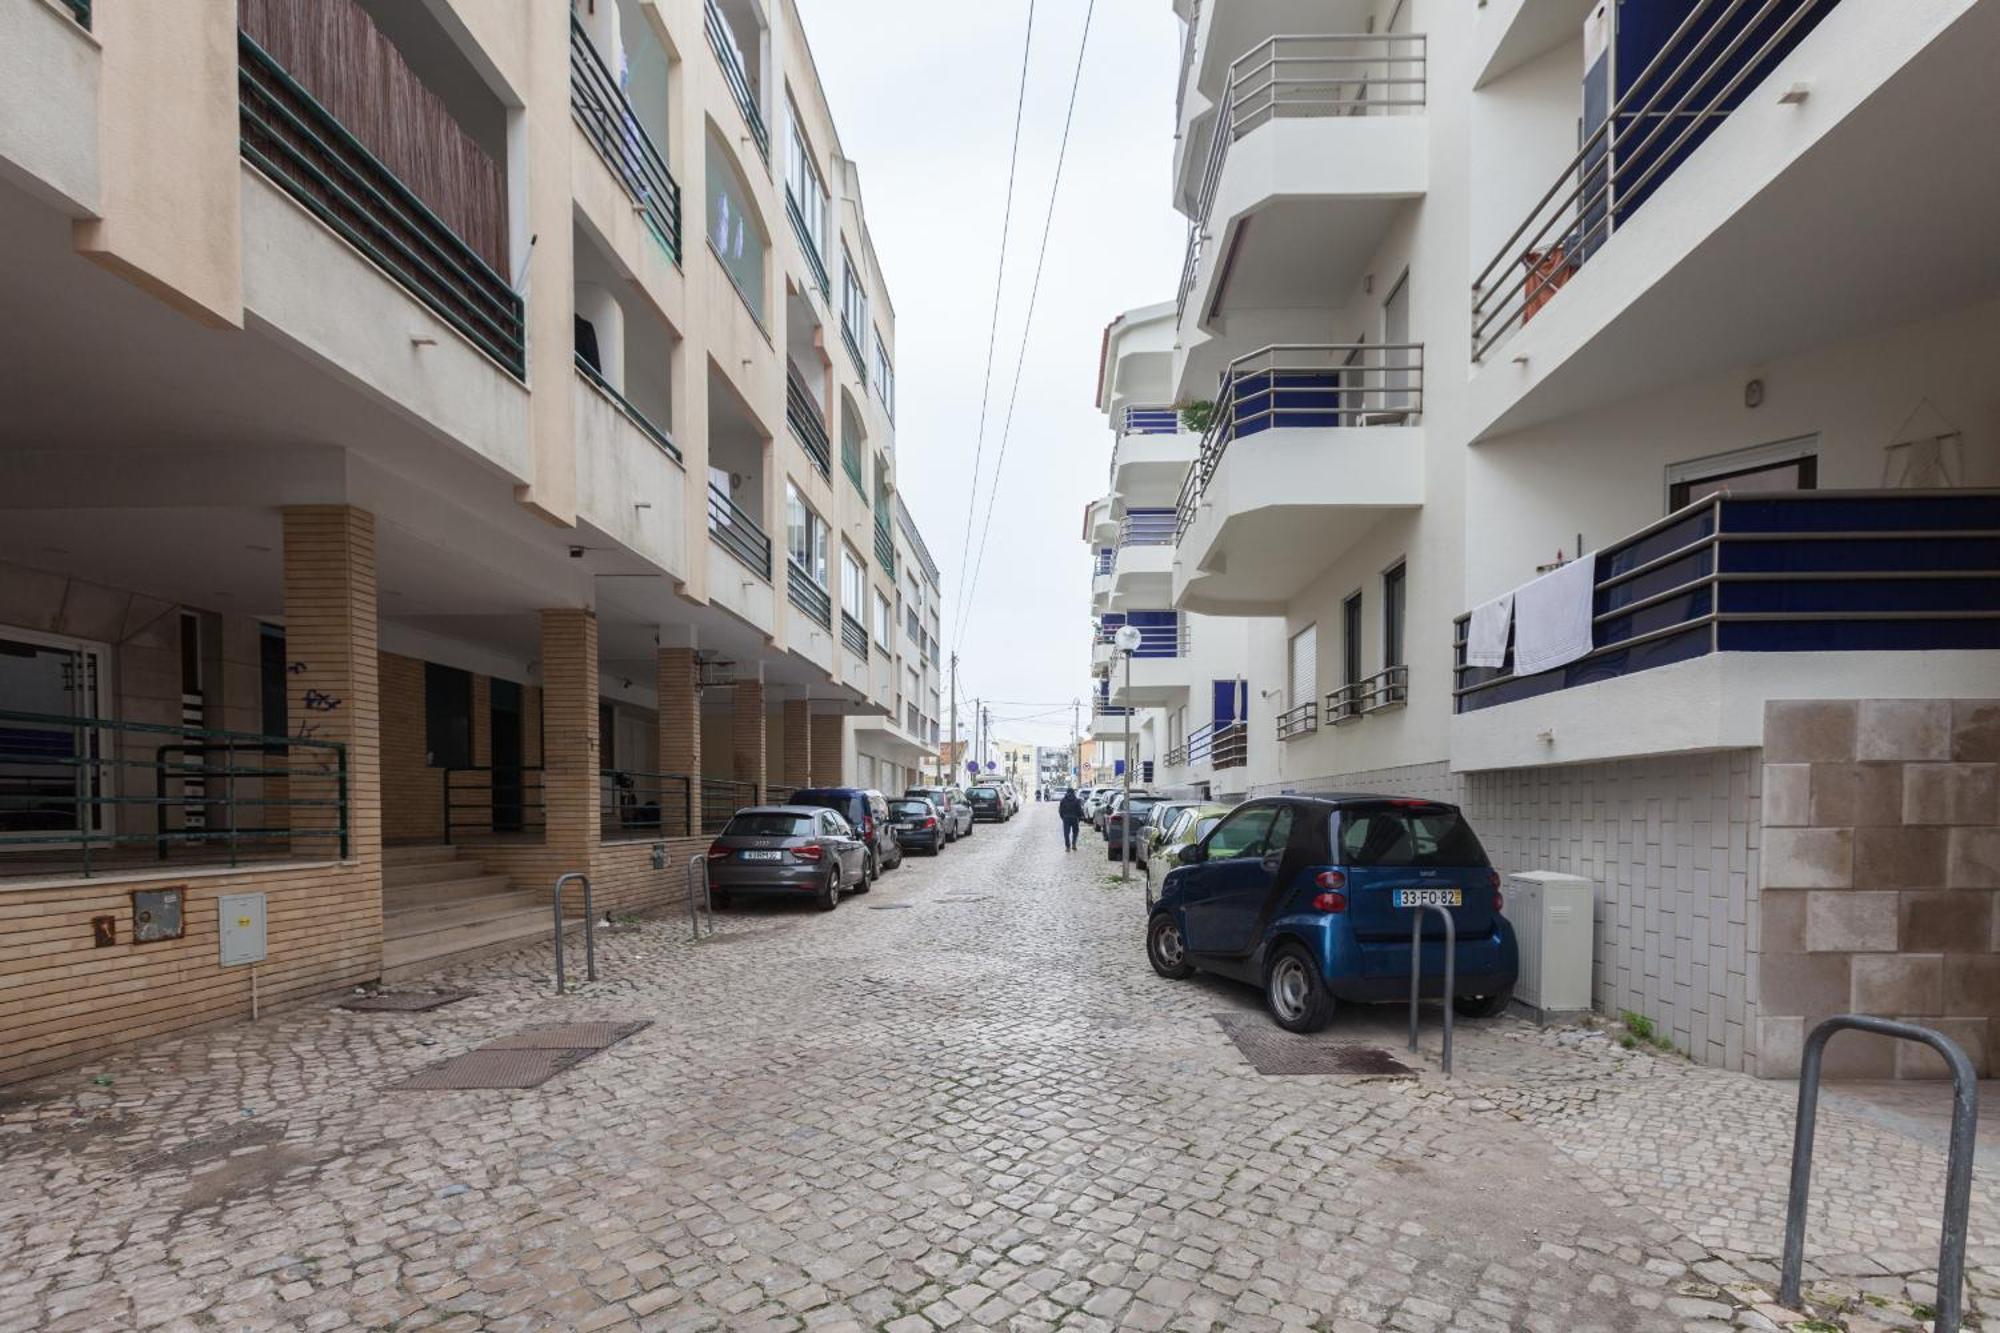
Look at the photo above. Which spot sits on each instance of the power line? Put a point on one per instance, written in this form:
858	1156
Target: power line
993	331
1027	324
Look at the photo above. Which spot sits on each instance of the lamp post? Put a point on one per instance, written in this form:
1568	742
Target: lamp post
1128	641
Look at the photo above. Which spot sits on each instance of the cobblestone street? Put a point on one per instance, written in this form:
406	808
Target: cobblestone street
982	1111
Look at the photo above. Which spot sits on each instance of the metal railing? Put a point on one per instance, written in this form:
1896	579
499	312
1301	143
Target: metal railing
1386	689
1152	421
625	406
494	800
1106	556
721	798
66	781
1176	756
1699	76
854	635
638	806
589	929
1302	76
814	260
702	904
1417	972
1156	639
852	340
1147	527
1188	72
735	532
1302	720
1299	386
885	547
611	123
721	40
1772	572
807	425
805	592
1220	746
305	151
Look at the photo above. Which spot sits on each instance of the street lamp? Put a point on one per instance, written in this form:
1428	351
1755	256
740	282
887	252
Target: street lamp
1127	639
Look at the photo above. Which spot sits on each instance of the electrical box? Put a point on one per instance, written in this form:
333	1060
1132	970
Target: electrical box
1552	917
242	928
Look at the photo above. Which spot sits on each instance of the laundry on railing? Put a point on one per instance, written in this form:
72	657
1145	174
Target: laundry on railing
1552	617
1486	640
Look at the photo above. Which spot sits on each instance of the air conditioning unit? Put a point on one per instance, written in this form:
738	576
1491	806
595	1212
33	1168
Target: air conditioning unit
1551	913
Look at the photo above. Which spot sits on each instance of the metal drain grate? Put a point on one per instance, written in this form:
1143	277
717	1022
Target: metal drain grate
405	1002
488	1068
557	1036
1272	1050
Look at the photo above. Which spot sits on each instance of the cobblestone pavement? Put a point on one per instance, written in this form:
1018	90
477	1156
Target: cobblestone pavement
981	1112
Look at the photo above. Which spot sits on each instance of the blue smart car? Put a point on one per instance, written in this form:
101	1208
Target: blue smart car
1313	897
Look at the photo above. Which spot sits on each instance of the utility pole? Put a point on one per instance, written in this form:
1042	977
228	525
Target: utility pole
953	747
1075	741
978	711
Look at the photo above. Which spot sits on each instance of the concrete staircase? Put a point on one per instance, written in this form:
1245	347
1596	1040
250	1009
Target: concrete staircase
439	908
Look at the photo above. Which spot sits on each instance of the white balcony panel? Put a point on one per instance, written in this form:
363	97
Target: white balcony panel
1507	34
1142	576
744	595
49	72
1284	504
1157	682
1147	470
627	486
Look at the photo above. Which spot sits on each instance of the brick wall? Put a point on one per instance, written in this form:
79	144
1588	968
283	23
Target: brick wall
412	797
1882	861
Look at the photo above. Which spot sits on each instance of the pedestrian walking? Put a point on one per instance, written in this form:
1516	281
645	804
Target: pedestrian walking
1071	811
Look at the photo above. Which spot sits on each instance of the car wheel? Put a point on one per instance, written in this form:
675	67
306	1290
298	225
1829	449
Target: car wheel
871	871
1293	991
1111	853
1483	1006
1166	950
829	894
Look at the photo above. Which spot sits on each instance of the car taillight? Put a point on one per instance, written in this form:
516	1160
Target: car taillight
1330	879
809	852
1329	900
1493	882
717	852
930	822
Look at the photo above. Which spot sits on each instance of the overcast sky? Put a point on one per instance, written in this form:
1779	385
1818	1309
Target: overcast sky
923	93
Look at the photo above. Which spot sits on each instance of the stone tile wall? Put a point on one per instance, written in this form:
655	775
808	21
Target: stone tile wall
1882	861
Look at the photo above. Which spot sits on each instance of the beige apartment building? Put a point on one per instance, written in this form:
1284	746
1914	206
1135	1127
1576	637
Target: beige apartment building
446	446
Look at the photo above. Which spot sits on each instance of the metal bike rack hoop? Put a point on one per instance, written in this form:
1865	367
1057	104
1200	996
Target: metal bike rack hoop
589	928
1417	973
698	907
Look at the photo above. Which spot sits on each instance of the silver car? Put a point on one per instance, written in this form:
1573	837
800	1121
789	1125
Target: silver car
788	849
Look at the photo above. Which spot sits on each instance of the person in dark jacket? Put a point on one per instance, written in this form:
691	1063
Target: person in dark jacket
1071	811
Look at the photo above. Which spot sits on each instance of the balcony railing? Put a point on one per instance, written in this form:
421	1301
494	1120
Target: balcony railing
808	427
1187	60
721	798
735	532
885	546
1152	421
305	151
1302	720
1161	639
1386	689
1106	556
852	340
1220	746
633	414
723	44
1720	52
805	592
1796	572
1299	386
94	796
611	123
1338	74
1147	527
640	807
814	260
854	635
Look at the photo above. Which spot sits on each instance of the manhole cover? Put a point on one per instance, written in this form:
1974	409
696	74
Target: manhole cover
488	1068
405	1002
888	907
557	1036
1272	1050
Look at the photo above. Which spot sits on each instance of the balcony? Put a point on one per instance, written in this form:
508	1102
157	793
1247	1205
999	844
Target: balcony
1151	457
1142	566
737	533
1309	446
885	545
1867	594
647	426
306	151
1218	746
807	245
1157	673
807	425
611	123
1298	722
1317	141
805	592
1385	690
854	636
722	41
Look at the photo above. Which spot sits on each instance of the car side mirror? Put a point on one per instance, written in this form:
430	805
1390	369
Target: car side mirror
1192	854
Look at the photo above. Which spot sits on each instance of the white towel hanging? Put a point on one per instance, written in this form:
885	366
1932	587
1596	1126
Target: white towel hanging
1486	638
1552	617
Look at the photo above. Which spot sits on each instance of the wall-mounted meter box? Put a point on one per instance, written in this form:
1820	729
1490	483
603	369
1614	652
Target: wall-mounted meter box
242	928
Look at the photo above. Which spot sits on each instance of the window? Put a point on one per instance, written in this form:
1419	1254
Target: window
885	376
447	716
1302	682
853	311
850	450
1424	836
853	586
805	535
1350	644
1790	465
1243	833
733	232
806	188
885	620
1394	599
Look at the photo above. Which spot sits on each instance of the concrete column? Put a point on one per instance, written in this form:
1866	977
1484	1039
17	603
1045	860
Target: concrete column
680	735
570	779
798	743
331	688
746	730
829	735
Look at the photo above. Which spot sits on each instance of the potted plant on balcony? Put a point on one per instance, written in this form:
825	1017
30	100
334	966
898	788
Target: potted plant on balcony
1197	416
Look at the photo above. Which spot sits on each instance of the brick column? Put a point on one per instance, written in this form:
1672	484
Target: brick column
331	687
746	728
798	744
829	735
570	782
680	735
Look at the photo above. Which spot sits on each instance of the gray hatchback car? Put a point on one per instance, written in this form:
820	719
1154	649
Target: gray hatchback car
788	849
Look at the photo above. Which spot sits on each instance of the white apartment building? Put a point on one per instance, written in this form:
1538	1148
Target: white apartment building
1701	292
446	445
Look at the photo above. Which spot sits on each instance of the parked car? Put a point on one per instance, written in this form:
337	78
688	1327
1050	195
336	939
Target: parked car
950	802
1314	897
918	825
1099	805
1012	797
988	805
790	849
868	811
1162	818
1191	823
1132	812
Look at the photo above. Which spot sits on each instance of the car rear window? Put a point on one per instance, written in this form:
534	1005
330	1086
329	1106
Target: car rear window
769	826
984	793
1140	804
921	809
1408	836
